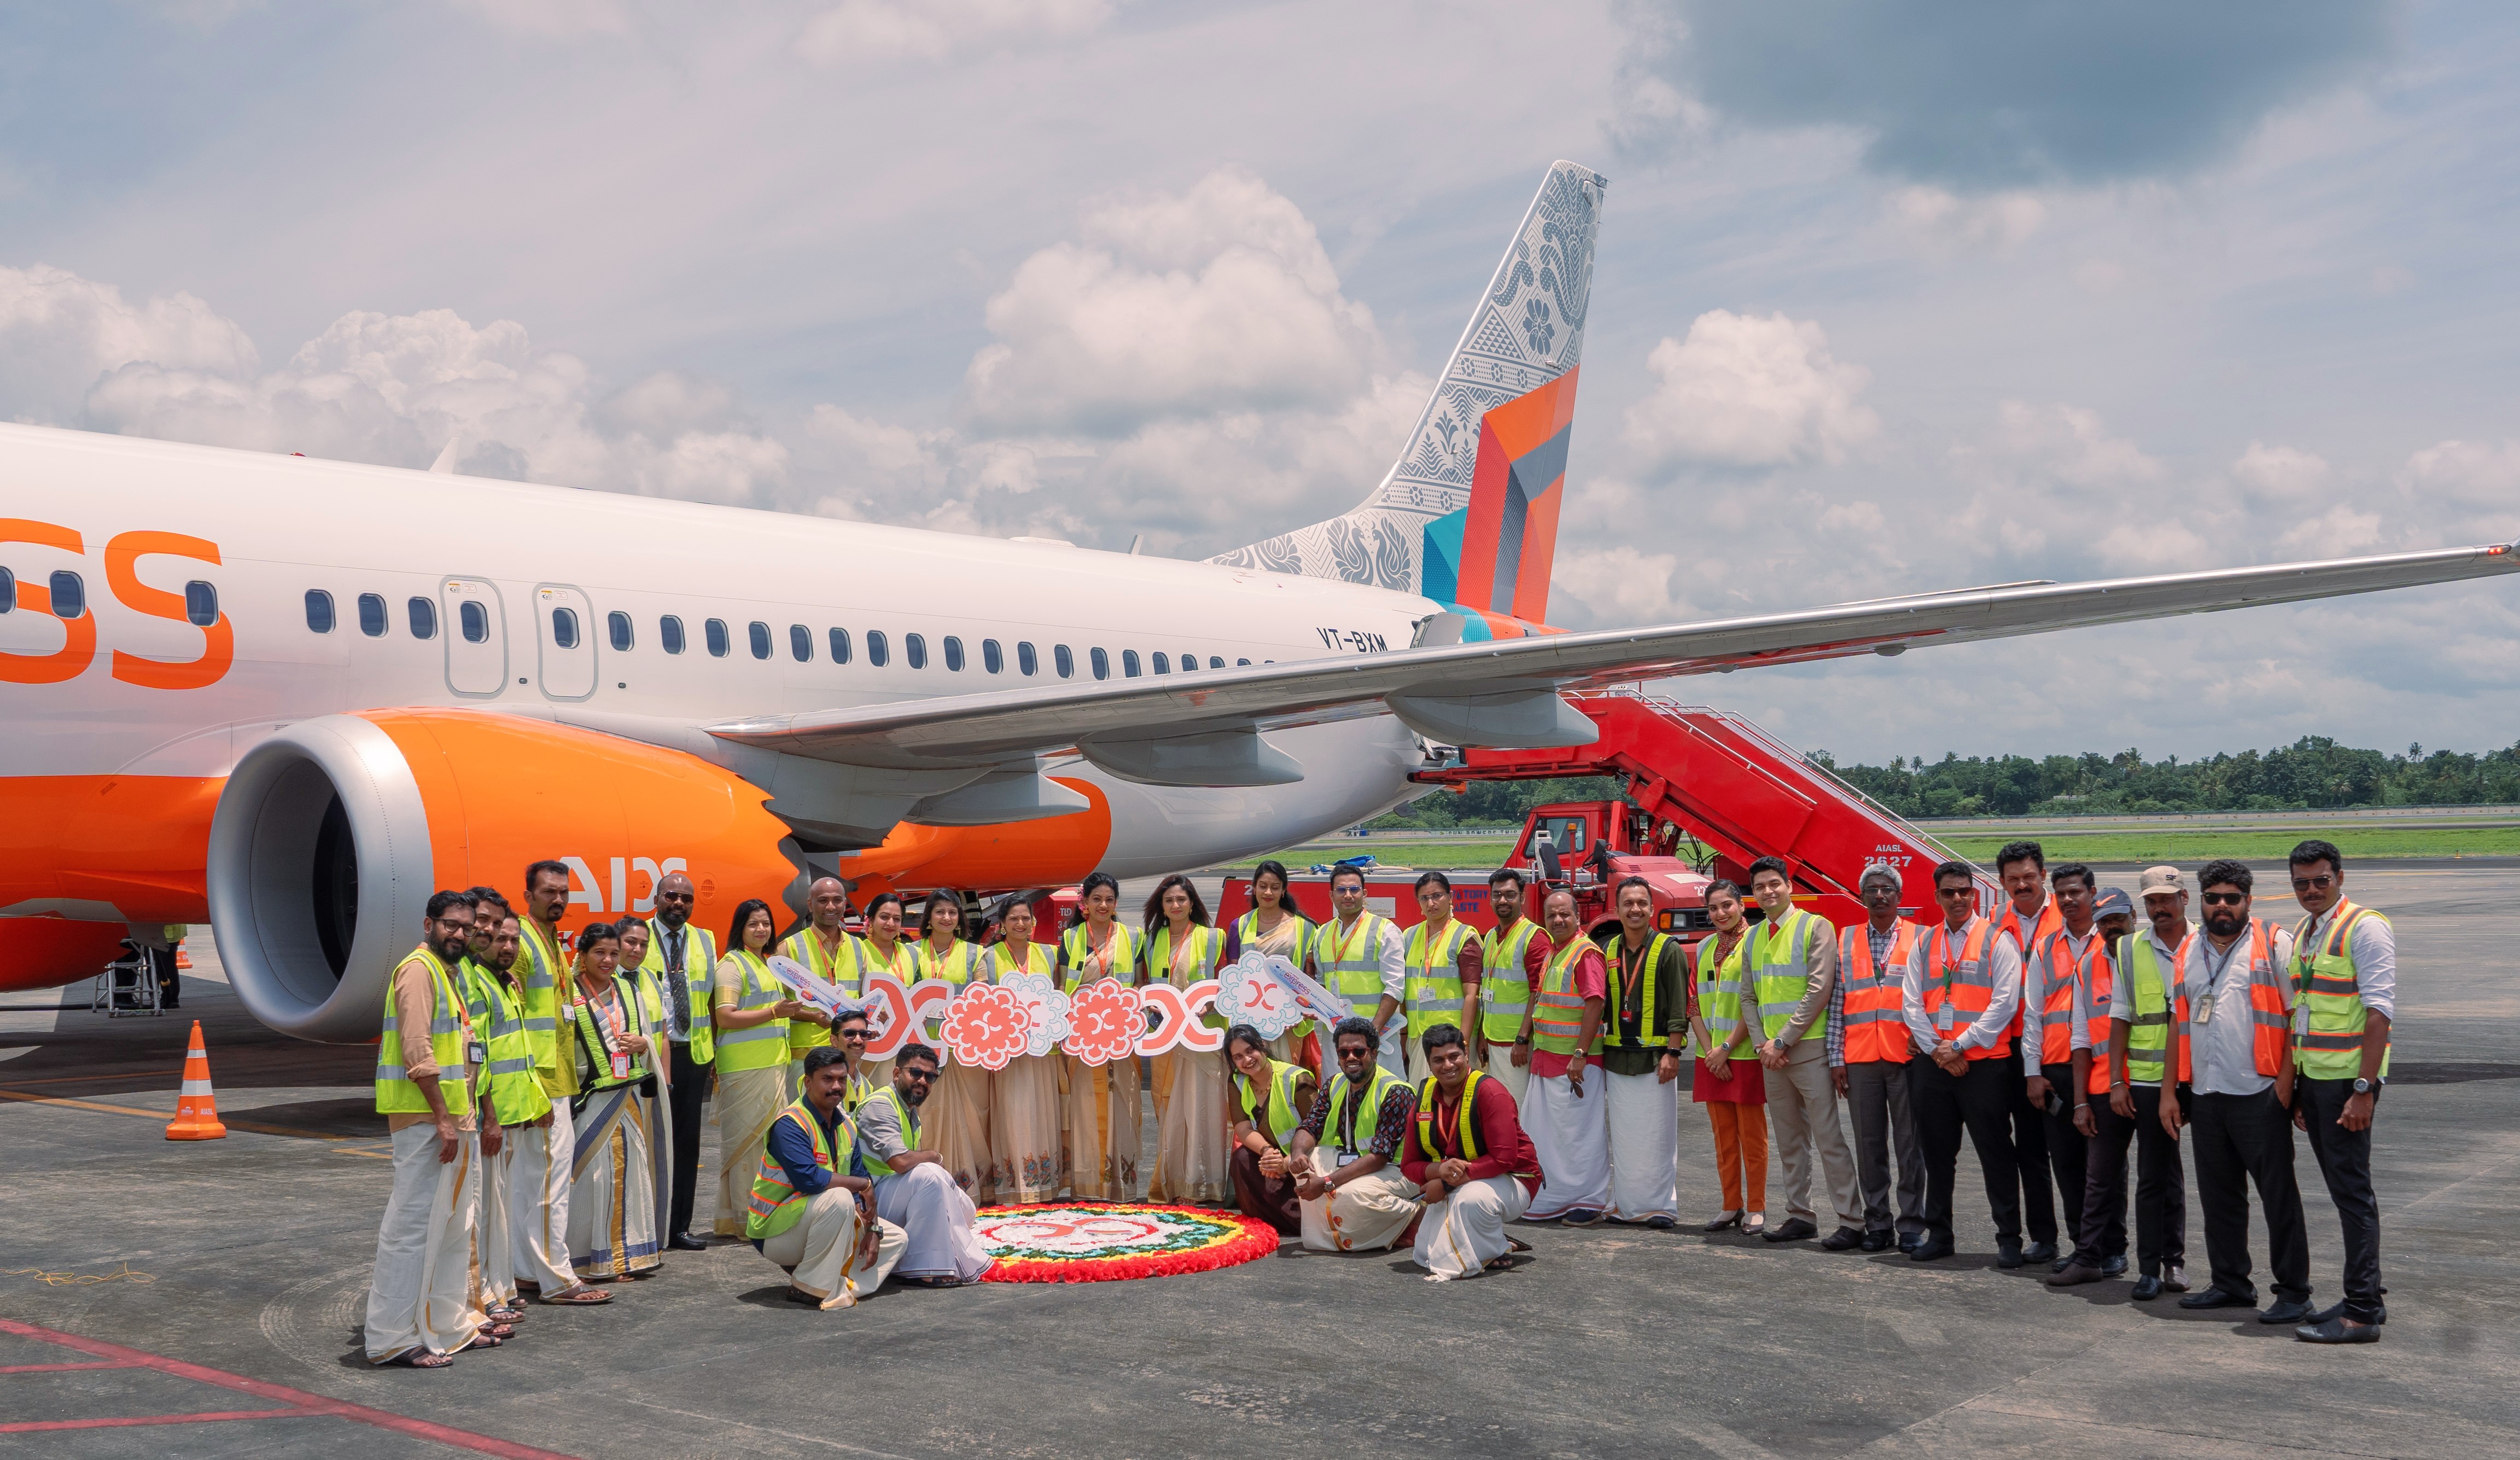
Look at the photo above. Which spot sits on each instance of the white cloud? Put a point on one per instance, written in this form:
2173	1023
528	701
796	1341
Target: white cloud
1744	391
2277	474
556	18
1619	584
868	32
1944	222
1215	300
59	331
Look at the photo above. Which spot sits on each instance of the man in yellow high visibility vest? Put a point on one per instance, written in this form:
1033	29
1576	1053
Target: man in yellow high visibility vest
1363	960
421	1308
1792	968
684	963
2345	972
1442	982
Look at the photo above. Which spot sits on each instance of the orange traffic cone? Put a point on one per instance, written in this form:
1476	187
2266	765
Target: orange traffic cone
197	1111
183	960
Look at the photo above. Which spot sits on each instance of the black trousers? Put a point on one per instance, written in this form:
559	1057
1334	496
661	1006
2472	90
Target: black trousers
2029	1152
2345	1162
1271	1199
691	1086
1944	1106
2066	1156
2160	1187
2241	1141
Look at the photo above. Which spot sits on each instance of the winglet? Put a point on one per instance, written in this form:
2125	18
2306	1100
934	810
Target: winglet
444	466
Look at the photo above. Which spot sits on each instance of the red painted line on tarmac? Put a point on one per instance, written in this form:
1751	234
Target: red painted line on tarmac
304	1403
206	1416
111	1363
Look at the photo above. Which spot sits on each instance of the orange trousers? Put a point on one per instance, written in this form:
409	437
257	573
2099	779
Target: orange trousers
1740	1153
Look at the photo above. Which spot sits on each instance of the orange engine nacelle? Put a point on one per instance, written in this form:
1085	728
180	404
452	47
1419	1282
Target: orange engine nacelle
332	833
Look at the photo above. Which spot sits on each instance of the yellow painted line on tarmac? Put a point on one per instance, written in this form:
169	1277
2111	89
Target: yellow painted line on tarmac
101	1108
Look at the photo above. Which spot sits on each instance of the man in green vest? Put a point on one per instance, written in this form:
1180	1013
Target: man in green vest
682	961
421	1308
2147	1102
1510	960
1363	960
1346	1154
545	1153
1792	965
1644	1025
509	1097
2344	989
810	1213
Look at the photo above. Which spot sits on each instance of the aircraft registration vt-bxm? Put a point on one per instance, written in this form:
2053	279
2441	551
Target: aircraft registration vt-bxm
291	697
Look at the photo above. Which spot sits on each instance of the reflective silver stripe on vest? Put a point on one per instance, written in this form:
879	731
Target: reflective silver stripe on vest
1439	1004
769	1031
512	1066
390	1072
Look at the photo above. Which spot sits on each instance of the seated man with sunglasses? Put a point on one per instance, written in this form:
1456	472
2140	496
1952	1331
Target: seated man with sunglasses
913	1191
2236	981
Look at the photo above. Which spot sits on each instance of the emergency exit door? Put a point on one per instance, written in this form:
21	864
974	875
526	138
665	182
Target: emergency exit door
564	623
477	637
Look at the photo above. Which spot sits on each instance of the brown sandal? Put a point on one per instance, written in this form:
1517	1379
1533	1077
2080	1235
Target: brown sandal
419	1358
580	1296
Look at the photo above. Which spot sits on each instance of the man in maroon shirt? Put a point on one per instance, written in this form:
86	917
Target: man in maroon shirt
1474	1168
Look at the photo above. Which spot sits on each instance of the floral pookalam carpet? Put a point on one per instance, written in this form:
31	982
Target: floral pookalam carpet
1093	1242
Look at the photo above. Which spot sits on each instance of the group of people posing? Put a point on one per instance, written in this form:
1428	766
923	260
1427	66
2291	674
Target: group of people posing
546	1131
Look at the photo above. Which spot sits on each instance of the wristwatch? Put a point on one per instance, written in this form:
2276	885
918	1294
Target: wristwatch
2362	1085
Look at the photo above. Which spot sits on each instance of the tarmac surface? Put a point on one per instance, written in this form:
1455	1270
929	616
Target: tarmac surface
172	1287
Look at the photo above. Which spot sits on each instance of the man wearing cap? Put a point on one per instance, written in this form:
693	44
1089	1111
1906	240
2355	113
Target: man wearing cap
2101	1236
2148	1096
1867	1055
2235	979
2345	979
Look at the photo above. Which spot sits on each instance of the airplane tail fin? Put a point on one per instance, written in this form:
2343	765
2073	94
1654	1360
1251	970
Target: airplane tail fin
1468	516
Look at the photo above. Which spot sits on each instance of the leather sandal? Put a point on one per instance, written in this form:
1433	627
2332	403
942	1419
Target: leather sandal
419	1358
580	1296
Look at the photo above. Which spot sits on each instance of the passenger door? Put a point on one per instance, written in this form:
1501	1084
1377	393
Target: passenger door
477	637
564	625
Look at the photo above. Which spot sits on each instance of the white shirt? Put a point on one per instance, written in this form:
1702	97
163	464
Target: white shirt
2374	946
1395	961
2003	963
2223	1051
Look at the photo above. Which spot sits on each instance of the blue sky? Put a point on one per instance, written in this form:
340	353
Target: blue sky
1889	297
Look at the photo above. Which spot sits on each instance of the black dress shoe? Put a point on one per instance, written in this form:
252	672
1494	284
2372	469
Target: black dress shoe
1912	1241
1659	1224
1844	1239
2113	1267
2146	1289
2061	1263
1877	1241
2040	1251
2007	1252
2337	1330
1795	1230
686	1242
1930	1250
2337	1311
2284	1310
2215	1297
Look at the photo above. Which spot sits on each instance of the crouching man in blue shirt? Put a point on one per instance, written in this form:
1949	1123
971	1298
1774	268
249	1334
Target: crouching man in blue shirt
806	1214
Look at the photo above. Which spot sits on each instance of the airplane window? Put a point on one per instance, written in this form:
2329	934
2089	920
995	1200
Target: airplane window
953	654
992	658
372	614
718	643
476	620
1164	663
1242	664
1067	662
423	613
69	596
840	646
800	644
914	649
1214	662
1027	661
759	634
878	648
1188	662
1129	663
564	627
670	633
619	624
319	611
1101	665
8	590
201	603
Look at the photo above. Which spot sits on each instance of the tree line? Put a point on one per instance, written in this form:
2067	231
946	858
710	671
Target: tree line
2315	772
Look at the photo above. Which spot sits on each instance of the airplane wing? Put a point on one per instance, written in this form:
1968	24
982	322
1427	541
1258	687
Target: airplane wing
1203	728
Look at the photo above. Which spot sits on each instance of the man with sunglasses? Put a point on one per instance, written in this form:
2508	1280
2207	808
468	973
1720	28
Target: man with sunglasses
2236	978
2345	983
849	1036
682	962
913	1189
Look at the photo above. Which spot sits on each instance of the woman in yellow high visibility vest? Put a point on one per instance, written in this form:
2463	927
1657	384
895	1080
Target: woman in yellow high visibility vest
1024	1137
1102	1115
1190	1087
884	950
1729	1081
1274	926
749	1010
955	1124
1270	1098
612	1192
